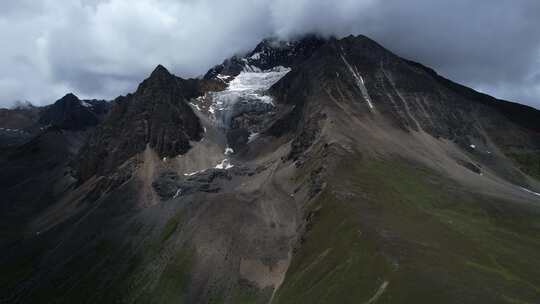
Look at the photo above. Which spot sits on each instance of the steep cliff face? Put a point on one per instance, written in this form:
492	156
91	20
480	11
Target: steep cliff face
268	54
357	77
157	114
71	113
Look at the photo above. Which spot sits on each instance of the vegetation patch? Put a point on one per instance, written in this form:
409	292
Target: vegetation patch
529	162
430	239
170	226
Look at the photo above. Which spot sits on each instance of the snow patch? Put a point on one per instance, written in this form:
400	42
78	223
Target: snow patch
228	151
529	191
359	82
194	173
196	106
12	130
86	104
259	80
252	137
256	56
473	146
223	78
178	193
224	165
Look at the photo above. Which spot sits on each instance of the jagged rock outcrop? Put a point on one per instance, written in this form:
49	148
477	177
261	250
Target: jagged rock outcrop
20	124
268	54
157	114
71	113
360	77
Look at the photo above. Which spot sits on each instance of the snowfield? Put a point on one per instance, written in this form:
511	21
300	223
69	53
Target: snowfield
248	87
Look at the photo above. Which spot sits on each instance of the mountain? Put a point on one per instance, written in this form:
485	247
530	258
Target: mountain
268	54
308	171
36	151
22	123
157	115
71	113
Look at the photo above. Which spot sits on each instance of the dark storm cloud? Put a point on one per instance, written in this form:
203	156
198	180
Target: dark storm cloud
103	48
491	45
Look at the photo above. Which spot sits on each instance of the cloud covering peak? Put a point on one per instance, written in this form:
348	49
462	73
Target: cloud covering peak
104	48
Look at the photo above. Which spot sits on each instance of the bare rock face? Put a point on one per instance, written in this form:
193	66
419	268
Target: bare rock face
268	54
71	113
156	115
378	84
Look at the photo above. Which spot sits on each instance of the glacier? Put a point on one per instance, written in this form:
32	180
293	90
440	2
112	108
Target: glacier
245	93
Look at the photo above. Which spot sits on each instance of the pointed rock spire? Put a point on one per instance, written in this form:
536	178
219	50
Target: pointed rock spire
70	98
69	113
159	79
160	71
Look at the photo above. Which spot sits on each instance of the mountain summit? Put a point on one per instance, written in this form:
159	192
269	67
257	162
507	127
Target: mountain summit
306	171
70	112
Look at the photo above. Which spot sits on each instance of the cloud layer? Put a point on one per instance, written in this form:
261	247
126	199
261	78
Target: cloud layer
104	48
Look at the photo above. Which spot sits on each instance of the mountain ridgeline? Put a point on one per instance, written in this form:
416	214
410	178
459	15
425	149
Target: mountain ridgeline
318	170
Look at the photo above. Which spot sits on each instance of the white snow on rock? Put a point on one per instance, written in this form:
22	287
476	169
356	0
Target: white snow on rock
252	82
228	151
256	56
359	82
224	165
194	173
249	87
473	146
86	104
196	106
223	78
252	137
529	191
178	193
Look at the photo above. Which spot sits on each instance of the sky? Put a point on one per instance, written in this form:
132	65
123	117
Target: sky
104	48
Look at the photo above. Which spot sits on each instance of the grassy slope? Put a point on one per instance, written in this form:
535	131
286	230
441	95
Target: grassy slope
391	232
378	224
529	162
115	268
